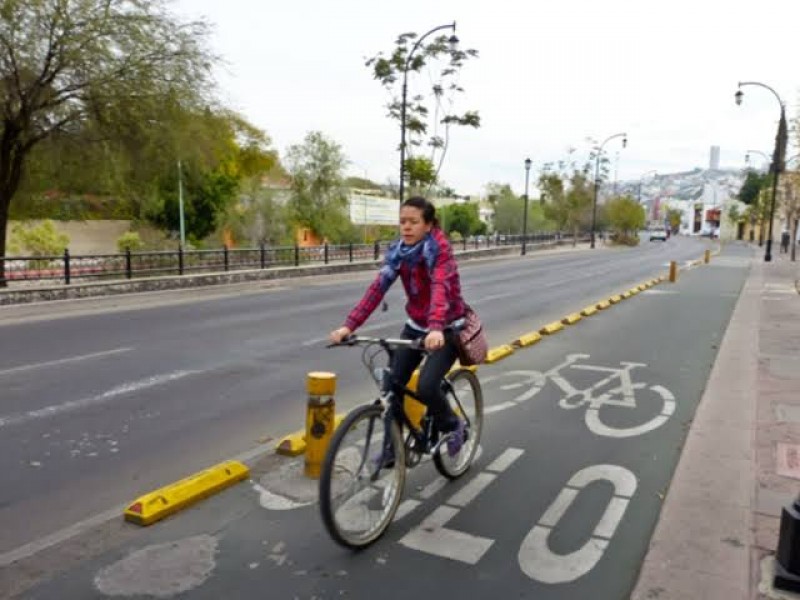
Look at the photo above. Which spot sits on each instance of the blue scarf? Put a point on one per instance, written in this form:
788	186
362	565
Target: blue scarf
398	254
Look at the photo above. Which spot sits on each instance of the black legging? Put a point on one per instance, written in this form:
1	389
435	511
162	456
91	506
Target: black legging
433	371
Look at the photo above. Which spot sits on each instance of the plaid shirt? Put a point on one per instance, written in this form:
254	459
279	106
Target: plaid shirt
437	301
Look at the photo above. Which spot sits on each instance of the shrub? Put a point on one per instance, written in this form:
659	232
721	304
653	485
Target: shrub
129	240
39	240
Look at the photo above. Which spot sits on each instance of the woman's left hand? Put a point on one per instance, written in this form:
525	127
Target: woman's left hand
434	341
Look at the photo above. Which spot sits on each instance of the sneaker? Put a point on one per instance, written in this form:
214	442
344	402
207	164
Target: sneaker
456	438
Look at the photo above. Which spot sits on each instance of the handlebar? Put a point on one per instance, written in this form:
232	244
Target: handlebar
358	340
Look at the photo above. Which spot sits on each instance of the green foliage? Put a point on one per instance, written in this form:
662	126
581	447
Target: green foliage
625	217
319	196
571	209
258	218
89	76
421	173
129	240
674	218
428	116
40	239
753	184
462	218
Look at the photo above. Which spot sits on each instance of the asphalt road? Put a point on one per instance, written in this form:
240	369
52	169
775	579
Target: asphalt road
104	400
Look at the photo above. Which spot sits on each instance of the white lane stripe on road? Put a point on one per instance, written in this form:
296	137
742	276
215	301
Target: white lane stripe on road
125	388
63	361
63	535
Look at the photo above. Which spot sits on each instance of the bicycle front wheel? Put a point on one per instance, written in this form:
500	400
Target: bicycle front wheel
362	478
465	398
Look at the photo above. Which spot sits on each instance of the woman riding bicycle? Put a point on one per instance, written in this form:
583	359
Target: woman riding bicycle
423	259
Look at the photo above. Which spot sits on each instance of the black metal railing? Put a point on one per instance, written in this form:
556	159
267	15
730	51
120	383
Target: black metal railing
66	268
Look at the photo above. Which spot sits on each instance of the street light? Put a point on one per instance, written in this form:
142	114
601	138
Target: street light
624	137
525	214
180	205
453	45
761	154
777	158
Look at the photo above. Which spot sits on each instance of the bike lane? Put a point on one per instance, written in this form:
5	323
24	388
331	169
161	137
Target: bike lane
582	433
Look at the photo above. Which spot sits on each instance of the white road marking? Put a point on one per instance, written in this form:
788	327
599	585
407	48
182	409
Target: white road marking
63	361
434	486
536	559
433	537
470	491
58	537
502	462
406	507
121	390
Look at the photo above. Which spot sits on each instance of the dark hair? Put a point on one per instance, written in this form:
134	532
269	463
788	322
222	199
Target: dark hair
427	208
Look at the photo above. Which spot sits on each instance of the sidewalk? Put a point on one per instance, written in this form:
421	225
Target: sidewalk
718	530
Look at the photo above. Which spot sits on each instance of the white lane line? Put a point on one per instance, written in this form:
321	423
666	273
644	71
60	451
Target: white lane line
502	462
121	390
434	486
406	507
468	493
59	536
63	361
434	538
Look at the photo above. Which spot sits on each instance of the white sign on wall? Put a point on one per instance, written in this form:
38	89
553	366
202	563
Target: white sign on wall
372	210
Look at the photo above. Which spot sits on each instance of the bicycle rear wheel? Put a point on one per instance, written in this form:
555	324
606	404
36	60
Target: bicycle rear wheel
358	490
466	400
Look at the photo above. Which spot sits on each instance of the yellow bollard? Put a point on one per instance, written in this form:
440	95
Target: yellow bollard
320	411
707	257
673	271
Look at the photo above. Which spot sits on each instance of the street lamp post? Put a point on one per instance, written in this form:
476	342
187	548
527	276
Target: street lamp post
624	137
525	214
778	156
453	43
180	205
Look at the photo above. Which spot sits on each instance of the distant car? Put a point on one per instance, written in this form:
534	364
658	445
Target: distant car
658	233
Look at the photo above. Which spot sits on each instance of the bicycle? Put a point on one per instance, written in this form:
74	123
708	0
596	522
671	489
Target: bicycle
364	471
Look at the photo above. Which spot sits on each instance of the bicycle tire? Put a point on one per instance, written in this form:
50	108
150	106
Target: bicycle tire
343	452
454	467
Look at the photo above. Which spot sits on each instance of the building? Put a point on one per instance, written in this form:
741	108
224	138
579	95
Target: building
713	163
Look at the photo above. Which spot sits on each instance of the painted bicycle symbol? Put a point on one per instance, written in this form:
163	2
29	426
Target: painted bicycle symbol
621	394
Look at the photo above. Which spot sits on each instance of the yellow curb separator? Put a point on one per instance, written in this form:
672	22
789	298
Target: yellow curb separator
499	353
615	299
294	444
571	319
529	339
625	295
589	311
165	501
551	328
634	291
603	304
642	287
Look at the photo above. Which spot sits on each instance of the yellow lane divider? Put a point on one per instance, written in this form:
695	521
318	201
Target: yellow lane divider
603	304
163	502
571	319
551	328
529	339
499	353
589	311
615	299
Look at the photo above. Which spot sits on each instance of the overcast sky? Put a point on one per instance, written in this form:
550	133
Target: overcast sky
550	74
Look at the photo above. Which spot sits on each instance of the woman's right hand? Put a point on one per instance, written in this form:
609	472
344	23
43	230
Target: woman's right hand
337	335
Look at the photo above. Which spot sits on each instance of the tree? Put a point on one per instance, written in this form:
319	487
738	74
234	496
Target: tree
754	182
625	217
421	174
674	217
319	198
64	61
462	218
429	114
571	209
508	208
